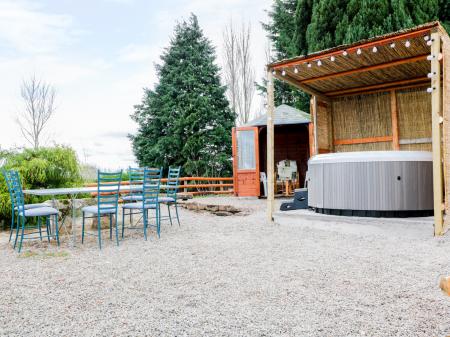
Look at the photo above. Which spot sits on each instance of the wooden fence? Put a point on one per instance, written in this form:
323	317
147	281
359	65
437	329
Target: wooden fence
197	185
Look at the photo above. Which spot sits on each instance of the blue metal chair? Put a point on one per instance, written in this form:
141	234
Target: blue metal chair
23	213
108	185
150	200
14	222
136	177
173	178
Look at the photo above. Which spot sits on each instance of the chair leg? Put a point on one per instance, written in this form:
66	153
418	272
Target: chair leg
82	230
39	227
47	225
99	225
12	223
110	226
21	236
17	230
123	221
170	215
117	229
145	216
57	229
176	210
158	222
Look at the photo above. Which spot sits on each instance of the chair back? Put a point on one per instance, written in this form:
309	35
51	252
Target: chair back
136	177
150	189
108	185
173	178
7	175
17	197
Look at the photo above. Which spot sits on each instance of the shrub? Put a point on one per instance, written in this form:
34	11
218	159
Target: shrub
50	167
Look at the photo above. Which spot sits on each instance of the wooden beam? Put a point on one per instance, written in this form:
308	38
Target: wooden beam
386	85
311	139
314	111
380	139
436	135
402	87
394	122
235	159
367	68
306	88
352	48
270	147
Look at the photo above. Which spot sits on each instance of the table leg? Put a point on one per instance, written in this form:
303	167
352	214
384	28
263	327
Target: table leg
72	201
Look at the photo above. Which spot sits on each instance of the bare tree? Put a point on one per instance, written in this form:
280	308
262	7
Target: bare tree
39	106
239	72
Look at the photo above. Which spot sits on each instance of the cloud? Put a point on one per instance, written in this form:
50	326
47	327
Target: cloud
27	28
138	53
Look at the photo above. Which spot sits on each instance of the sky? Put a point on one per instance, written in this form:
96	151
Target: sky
99	55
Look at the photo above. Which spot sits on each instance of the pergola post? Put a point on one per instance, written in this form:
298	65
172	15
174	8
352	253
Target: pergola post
436	133
270	147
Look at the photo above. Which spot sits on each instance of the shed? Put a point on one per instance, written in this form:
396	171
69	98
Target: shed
390	92
250	147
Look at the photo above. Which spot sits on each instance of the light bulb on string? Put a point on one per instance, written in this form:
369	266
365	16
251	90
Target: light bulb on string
393	45
296	70
283	73
319	63
374	49
309	65
344	53
431	75
407	44
430	57
426	37
274	72
430	42
430	90
332	58
359	51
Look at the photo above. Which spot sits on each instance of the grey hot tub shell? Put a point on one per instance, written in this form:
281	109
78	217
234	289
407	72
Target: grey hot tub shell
374	183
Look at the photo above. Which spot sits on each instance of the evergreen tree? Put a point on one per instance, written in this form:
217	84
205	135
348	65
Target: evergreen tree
186	119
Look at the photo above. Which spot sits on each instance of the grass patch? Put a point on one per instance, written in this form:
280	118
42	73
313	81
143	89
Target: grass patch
45	255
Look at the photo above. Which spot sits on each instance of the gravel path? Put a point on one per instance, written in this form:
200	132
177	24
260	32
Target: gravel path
307	275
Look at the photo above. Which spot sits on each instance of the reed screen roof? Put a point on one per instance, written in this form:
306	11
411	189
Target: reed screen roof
382	62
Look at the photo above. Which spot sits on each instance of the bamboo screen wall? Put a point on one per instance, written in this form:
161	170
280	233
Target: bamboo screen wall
362	116
414	118
323	128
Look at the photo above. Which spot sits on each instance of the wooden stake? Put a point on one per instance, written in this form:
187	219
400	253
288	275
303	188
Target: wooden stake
436	134
270	147
394	121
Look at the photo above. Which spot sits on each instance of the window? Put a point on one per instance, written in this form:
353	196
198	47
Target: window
246	150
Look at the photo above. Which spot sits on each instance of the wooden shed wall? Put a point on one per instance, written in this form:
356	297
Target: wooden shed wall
446	124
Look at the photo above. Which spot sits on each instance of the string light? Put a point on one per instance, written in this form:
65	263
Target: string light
407	44
430	90
393	45
431	75
296	70
319	63
332	58
344	53
430	42
274	72
359	51
426	37
283	73
374	49
430	57
309	65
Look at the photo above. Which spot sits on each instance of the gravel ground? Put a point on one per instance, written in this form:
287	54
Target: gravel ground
307	275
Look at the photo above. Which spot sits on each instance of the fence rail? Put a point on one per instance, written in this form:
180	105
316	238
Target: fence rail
195	185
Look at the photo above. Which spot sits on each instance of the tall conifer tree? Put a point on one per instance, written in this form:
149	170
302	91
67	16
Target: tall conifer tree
186	119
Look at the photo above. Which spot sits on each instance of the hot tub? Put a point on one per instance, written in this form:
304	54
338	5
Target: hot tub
374	183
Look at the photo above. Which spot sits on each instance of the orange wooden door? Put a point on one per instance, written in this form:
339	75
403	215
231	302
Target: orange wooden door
246	161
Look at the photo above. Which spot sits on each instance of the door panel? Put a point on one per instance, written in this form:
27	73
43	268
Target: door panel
246	161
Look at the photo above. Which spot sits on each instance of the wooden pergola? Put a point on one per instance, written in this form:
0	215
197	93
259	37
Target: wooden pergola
380	85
